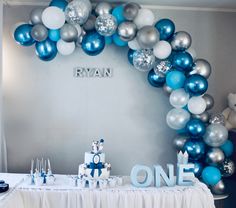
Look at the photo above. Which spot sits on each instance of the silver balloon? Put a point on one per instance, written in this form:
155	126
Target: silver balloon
131	11
162	67
219	188
90	23
36	16
78	11
39	33
80	38
227	168
68	33
147	36
103	8
167	89
217	119
215	135
209	101
179	142
201	67
181	41
204	117
215	156
106	25
127	31
144	59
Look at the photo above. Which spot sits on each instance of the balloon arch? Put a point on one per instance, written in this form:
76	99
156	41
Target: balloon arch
154	47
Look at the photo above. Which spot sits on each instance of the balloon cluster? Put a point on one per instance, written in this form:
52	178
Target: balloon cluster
154	47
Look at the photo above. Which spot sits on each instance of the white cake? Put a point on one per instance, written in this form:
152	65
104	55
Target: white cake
94	165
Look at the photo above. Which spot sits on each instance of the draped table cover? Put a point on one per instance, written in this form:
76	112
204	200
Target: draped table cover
63	195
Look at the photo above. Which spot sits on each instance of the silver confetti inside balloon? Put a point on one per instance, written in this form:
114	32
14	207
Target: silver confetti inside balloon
147	37
78	11
162	67
204	117
103	8
106	25
181	41
68	33
217	119
209	101
36	16
127	31
227	168
201	67
179	142
131	11
219	188
90	23
39	32
215	156
143	59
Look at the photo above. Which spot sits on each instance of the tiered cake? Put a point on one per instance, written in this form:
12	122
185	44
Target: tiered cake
94	165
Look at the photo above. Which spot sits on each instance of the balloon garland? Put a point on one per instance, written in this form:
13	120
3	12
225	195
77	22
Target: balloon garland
154	47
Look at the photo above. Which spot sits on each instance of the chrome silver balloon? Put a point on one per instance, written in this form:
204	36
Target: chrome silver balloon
201	67
219	188
179	142
131	10
39	32
227	168
90	23
103	8
204	117
127	31
106	24
36	16
68	33
162	67
147	37
181	41
209	101
167	89
217	119
215	156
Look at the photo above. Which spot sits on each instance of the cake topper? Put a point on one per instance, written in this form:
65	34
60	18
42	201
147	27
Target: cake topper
97	146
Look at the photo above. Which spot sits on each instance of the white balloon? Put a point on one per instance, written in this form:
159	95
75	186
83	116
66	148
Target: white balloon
196	105
134	45
162	49
53	18
145	17
65	48
193	53
179	98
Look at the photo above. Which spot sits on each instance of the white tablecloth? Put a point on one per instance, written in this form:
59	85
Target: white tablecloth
61	195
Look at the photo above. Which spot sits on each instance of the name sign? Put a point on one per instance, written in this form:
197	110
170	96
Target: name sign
93	72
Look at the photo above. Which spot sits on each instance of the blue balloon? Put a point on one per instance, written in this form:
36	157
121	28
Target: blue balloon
195	149
118	14
62	4
198	168
46	50
182	61
227	148
211	175
54	35
155	80
196	85
117	40
130	56
175	79
166	28
196	128
108	40
22	35
93	43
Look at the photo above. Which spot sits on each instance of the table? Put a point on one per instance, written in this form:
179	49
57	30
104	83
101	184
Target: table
62	195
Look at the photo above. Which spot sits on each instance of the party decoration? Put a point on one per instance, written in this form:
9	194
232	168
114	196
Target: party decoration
201	67
106	25
131	11
103	8
118	41
23	36
198	168
216	135
155	80
127	31
130	56
166	28
217	118
54	35
162	49
133	44
68	33
179	98
175	79
65	48
195	128
183	61
181	41
36	16
118	13
215	156
145	17
204	117
227	168
39	33
193	53
59	3
211	175
46	50
219	188
167	89
179	141
162	67
209	101
195	148
227	148
90	23
196	105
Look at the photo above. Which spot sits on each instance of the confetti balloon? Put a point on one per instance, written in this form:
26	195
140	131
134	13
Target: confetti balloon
162	67
106	25
217	119
227	168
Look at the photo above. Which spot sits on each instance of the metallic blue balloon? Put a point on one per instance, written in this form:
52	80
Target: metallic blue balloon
46	50
198	168
182	61
227	148
195	149
118	14
196	128
59	3
166	28
196	85
22	35
93	43
130	56
156	80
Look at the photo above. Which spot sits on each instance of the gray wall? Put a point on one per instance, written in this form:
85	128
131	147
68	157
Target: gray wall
49	113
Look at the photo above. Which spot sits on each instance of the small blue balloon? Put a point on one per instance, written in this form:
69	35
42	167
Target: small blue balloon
54	35
62	4
93	43
227	148
196	128
130	56
117	40
198	168
22	35
118	14
166	28
175	79
46	50
196	85
195	149
108	40
182	61
211	175
156	80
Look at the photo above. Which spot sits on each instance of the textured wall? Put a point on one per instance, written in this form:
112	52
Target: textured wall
49	113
